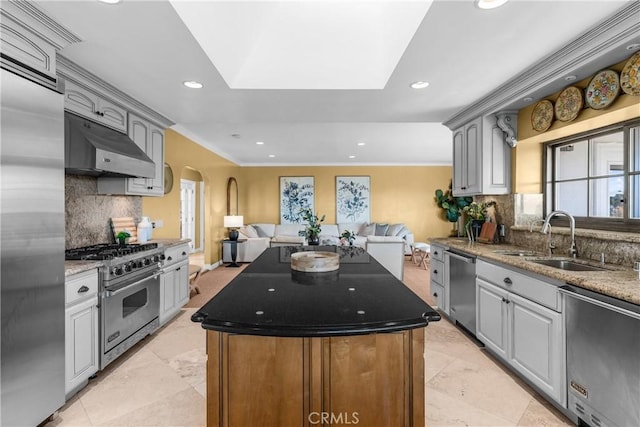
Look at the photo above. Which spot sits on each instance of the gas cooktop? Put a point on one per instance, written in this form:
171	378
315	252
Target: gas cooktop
107	251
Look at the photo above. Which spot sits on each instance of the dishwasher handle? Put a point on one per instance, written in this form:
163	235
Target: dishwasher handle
468	260
600	300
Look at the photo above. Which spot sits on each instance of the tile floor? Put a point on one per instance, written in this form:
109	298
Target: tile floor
161	381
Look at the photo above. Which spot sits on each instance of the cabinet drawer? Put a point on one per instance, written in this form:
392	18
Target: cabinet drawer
81	286
437	272
176	254
529	287
437	294
437	253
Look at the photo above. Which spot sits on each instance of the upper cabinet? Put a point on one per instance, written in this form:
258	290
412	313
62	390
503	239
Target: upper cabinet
29	40
87	104
481	157
91	97
150	138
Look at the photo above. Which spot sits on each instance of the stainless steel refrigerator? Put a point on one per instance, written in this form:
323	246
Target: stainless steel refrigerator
31	251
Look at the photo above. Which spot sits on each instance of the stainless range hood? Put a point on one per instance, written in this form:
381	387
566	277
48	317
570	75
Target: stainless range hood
93	149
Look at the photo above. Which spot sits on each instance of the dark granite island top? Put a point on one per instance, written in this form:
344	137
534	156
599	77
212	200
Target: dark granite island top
270	299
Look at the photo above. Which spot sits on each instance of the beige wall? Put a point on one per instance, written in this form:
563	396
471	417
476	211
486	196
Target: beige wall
398	194
527	159
184	155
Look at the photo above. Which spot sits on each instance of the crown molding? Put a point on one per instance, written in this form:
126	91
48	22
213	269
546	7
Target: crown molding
610	35
32	18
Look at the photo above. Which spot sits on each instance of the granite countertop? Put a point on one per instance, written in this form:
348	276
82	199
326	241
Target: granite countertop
167	243
616	281
75	267
269	298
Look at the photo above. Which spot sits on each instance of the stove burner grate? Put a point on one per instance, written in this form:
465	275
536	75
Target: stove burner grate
106	251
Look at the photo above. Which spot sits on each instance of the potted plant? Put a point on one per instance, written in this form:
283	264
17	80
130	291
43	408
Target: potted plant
312	231
122	237
453	206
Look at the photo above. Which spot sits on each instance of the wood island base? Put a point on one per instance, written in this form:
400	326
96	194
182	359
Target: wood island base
367	380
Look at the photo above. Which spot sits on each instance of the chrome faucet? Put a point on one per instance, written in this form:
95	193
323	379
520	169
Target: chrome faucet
573	251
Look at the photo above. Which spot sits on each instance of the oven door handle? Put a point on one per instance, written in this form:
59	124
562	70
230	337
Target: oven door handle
124	288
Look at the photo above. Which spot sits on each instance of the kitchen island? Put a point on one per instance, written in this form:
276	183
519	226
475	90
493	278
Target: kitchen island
342	347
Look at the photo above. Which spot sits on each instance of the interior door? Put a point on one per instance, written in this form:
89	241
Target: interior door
188	211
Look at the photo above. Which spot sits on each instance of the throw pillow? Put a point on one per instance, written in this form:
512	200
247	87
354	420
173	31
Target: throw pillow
393	229
381	229
260	231
249	231
369	229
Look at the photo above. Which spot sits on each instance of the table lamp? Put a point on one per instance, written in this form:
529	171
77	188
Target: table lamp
233	222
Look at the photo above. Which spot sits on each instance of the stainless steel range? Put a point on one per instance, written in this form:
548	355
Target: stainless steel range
129	293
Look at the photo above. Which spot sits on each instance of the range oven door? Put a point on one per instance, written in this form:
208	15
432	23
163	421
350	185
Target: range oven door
127	308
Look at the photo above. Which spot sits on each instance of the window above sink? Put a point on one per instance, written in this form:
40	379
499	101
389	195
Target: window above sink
596	178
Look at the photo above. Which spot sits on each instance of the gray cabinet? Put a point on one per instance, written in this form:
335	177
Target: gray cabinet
439	282
481	158
150	138
519	319
174	282
81	330
29	41
85	103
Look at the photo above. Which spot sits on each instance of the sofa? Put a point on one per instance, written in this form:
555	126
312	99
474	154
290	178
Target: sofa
260	236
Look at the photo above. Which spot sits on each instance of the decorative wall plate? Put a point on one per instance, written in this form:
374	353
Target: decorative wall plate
630	75
168	178
569	104
603	89
542	115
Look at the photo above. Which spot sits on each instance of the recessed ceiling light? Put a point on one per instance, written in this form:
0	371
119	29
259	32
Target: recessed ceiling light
490	4
272	155
360	144
633	46
527	99
259	142
109	1
570	78
419	85
192	84
352	157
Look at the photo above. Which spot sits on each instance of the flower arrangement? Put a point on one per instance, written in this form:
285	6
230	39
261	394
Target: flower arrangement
347	237
314	224
477	211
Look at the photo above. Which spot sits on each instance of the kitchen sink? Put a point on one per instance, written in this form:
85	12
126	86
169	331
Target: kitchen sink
567	265
515	252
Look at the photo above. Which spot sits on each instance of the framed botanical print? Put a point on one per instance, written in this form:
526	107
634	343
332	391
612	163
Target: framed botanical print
296	196
353	199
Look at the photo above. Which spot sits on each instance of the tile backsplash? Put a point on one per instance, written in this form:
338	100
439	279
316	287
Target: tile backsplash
87	213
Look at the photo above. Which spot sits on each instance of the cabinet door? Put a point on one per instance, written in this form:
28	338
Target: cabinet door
140	133
112	115
437	294
80	101
472	157
156	152
182	285
535	338
167	296
491	317
81	343
459	168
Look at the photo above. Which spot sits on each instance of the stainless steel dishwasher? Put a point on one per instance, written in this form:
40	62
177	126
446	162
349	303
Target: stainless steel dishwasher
603	358
461	269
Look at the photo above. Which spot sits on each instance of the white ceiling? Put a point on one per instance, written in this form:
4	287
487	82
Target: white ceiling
253	92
